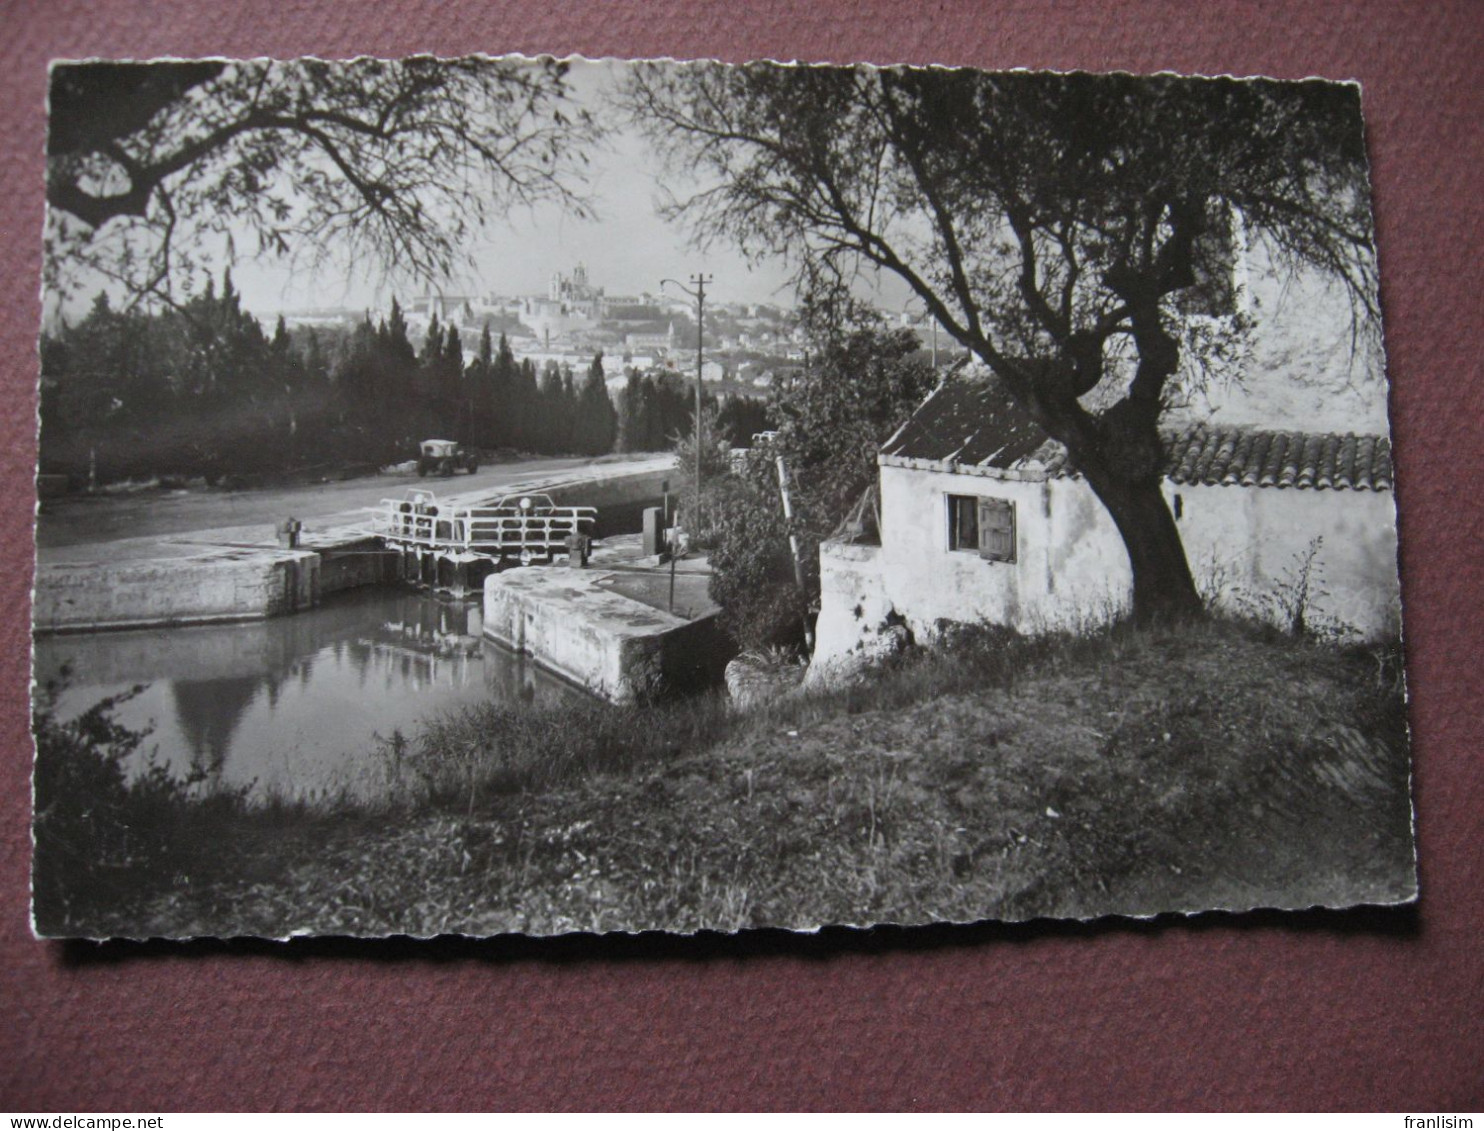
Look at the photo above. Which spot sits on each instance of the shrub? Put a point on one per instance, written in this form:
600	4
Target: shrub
752	568
831	419
105	832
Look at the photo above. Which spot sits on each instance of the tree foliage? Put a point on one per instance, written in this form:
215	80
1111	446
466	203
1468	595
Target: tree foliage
112	824
195	390
740	418
1049	223
829	421
199	390
595	426
150	166
655	410
861	385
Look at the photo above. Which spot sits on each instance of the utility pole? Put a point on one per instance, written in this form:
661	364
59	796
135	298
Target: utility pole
793	544
699	294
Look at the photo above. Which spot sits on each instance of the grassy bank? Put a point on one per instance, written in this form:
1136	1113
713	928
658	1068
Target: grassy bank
1132	772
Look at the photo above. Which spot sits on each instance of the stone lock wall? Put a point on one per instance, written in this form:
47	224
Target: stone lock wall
615	647
239	585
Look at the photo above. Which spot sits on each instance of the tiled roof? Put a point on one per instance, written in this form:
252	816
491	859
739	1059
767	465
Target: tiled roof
1249	458
973	423
968	420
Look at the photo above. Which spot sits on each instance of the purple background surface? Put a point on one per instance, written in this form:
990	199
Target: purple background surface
1324	1010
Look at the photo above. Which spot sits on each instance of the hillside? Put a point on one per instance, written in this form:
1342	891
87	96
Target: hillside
1133	774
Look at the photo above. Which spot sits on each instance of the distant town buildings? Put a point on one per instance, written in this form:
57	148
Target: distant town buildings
577	294
447	307
748	345
651	343
572	305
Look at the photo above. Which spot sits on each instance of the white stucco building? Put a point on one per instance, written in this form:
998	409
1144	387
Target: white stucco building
1278	472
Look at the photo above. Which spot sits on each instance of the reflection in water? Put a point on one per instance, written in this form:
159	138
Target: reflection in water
295	705
207	712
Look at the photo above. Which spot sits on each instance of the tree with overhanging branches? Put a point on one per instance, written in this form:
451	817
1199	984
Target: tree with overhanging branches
1055	225
153	168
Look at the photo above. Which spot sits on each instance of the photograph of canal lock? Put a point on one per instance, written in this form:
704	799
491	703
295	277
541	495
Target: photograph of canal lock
512	495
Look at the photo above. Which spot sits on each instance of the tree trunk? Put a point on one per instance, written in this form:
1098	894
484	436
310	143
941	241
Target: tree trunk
1164	589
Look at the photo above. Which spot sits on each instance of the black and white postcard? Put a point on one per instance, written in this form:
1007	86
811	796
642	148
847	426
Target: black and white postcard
508	495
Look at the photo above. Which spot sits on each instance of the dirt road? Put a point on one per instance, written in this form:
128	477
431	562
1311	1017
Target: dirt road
93	519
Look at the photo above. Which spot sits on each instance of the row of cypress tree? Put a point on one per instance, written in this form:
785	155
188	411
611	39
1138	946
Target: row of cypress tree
200	389
494	401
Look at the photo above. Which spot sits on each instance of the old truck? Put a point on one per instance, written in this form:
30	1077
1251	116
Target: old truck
444	457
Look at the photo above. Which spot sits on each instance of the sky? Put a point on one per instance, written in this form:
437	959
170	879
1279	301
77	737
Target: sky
626	248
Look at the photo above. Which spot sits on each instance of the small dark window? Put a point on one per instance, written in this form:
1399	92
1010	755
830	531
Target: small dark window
963	522
982	526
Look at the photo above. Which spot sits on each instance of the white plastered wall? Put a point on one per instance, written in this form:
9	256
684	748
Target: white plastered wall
1246	546
1302	363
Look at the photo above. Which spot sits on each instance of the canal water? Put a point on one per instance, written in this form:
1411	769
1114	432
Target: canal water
294	706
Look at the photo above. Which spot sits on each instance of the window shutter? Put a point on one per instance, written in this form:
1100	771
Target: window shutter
997	530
